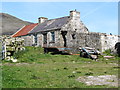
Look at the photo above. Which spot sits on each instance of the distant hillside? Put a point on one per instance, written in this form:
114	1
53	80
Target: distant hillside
10	24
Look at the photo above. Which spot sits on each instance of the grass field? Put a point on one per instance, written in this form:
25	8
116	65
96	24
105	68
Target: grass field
37	70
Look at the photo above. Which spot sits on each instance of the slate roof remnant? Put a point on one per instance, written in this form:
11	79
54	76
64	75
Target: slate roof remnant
51	24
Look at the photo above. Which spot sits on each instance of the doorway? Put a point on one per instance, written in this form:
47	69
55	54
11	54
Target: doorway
45	39
64	37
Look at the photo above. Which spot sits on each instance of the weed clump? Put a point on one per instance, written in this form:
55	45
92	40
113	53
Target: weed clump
71	76
89	73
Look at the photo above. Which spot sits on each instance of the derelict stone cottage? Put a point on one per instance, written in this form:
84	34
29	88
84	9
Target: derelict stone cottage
68	31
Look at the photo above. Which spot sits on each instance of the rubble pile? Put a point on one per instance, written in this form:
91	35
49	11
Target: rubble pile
10	46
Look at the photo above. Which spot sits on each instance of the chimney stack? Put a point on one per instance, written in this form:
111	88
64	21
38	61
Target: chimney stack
75	14
42	19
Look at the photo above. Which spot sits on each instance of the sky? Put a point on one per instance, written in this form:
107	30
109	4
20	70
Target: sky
97	16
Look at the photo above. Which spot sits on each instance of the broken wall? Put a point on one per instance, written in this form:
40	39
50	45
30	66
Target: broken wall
84	40
109	41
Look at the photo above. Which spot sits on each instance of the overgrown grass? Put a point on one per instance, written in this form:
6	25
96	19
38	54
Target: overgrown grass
38	70
30	54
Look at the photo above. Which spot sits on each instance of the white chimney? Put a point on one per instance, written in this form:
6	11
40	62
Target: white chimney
42	19
75	14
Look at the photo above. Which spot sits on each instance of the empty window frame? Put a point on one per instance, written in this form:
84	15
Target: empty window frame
53	36
73	36
35	38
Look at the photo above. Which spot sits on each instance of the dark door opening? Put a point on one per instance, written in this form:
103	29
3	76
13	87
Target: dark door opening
64	37
45	39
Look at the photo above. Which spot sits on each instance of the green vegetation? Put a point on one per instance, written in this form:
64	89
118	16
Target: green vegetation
35	69
107	52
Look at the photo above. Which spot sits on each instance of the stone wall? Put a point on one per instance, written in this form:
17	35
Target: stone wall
109	41
28	40
76	26
99	41
93	40
84	40
40	39
10	46
55	43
